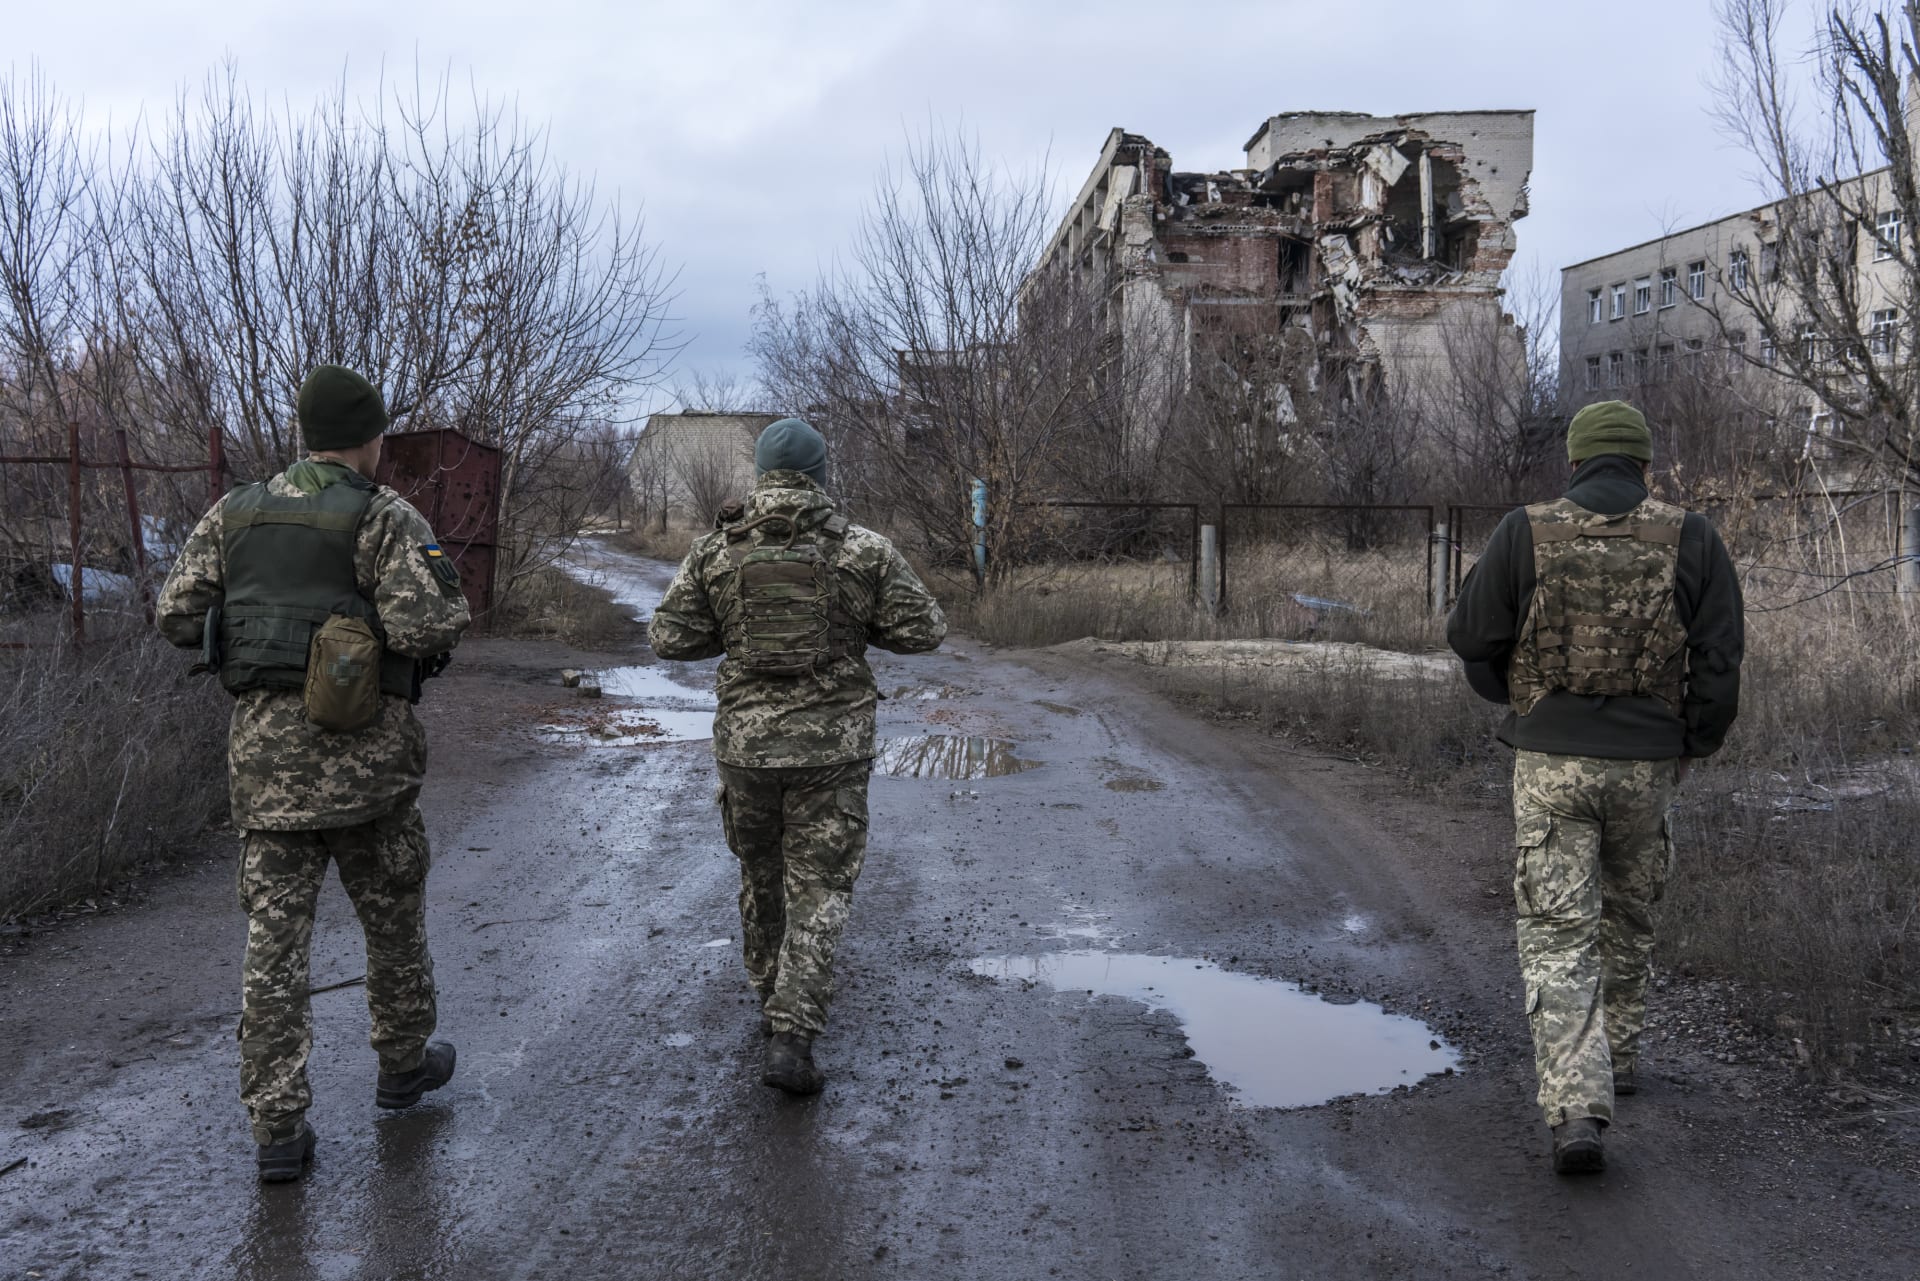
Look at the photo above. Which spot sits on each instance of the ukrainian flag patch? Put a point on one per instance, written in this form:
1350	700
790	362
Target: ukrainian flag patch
441	564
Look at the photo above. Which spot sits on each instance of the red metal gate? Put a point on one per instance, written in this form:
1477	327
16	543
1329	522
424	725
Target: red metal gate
455	482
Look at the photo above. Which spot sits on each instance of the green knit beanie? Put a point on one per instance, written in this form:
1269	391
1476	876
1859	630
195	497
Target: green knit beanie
339	409
792	445
1609	427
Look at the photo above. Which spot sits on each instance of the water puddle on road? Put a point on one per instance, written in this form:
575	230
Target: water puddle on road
667	712
948	756
1271	1044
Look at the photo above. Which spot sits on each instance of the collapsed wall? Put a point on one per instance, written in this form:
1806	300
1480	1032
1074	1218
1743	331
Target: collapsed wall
1342	248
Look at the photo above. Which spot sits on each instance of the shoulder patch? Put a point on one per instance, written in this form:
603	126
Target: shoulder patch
441	564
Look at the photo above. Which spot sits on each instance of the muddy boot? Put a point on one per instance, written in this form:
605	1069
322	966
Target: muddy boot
1625	1083
403	1089
1576	1147
285	1161
789	1064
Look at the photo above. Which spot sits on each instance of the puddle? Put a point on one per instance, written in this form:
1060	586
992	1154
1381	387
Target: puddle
656	684
948	756
636	727
928	693
679	1040
1083	925
668	712
1354	923
716	943
1271	1044
1058	709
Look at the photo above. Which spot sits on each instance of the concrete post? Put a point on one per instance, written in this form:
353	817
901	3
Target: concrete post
1210	569
1442	566
1910	550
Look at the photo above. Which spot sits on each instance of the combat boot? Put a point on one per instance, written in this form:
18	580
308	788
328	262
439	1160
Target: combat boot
1577	1148
403	1089
789	1064
285	1161
1625	1083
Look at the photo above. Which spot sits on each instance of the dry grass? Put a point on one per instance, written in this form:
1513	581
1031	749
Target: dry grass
670	544
110	757
550	604
1798	871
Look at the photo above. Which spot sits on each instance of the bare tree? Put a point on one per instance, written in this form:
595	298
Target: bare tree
706	470
1493	412
717	391
1831	282
934	359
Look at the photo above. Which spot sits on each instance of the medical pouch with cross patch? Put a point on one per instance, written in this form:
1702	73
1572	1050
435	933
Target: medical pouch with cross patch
784	617
342	691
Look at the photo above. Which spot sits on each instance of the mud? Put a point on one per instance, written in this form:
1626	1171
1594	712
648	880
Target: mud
607	1120
950	756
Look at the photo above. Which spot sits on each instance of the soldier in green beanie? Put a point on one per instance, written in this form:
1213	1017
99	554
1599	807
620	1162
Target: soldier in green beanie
793	594
328	598
1611	624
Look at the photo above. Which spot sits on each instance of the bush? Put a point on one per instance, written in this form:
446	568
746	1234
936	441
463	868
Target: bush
111	756
550	604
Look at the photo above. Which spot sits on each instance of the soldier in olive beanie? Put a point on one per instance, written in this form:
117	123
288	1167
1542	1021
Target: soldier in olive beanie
792	445
339	409
1609	427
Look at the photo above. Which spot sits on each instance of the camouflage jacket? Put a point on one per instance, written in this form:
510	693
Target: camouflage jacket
285	773
783	722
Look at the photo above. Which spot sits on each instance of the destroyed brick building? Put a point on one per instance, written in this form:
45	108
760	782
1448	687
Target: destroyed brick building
1342	248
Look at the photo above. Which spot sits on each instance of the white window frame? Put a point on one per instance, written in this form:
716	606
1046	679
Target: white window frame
1768	352
1738	267
1616	369
1593	373
1618	311
1596	310
1643	295
1887	232
1669	287
1883	331
1697	280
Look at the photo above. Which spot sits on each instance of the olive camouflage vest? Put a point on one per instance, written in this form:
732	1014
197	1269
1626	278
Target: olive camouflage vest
781	612
288	566
1603	619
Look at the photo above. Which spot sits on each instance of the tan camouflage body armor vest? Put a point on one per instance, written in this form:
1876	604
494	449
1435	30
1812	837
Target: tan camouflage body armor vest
782	615
1603	618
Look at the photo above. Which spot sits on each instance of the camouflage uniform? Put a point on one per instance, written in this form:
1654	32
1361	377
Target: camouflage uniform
1594	846
795	752
303	795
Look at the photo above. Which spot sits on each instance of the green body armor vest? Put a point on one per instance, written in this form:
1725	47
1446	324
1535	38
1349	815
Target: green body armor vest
782	615
1603	618
289	566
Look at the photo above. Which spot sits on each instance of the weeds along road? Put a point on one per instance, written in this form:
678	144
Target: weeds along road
985	1116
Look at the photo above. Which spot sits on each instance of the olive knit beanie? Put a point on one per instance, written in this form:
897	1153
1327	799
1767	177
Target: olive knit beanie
1609	427
339	409
792	445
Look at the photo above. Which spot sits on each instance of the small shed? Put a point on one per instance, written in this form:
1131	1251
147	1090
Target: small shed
455	483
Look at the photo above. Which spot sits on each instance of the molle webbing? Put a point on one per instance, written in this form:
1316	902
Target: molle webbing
289	565
786	617
1603	619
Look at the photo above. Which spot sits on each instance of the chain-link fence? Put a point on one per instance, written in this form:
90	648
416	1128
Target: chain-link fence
1316	568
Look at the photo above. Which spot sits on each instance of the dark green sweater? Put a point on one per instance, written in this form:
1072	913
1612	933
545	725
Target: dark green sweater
1485	626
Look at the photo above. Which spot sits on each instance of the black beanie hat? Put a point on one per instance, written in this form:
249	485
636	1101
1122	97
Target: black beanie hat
792	445
339	409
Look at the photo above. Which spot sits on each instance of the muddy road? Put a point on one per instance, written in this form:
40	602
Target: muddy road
1108	969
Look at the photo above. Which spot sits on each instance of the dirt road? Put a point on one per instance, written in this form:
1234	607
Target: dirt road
986	1116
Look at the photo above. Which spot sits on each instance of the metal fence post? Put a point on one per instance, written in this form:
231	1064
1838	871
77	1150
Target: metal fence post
1210	568
1443	555
1910	552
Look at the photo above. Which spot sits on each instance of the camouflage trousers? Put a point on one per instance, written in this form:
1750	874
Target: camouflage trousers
1594	848
800	836
383	866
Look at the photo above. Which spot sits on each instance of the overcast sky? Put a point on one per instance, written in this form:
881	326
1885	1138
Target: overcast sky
753	132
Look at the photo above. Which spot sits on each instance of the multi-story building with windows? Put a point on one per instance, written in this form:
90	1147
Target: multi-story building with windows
1691	303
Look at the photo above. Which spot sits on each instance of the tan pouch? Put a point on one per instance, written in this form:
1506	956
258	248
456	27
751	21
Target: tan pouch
343	675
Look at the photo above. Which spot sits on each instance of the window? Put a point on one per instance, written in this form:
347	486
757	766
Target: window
1593	368
1669	286
1886	234
1883	334
1666	360
1737	271
1696	280
1737	345
1639	368
1769	262
1642	296
1767	353
1619	302
1616	369
1813	349
1593	306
